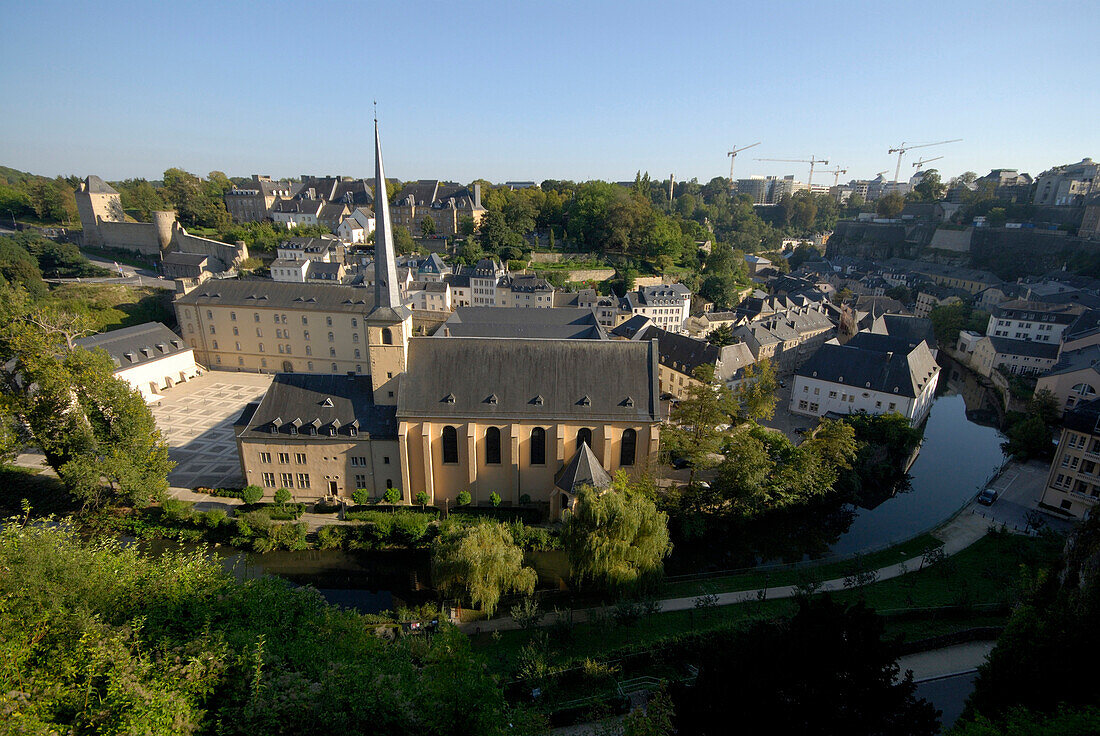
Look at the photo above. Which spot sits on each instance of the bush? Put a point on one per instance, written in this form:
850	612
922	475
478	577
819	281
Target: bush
392	495
331	537
409	528
464	498
213	518
360	496
174	508
494	498
285	511
282	496
525	498
251	494
325	508
422	498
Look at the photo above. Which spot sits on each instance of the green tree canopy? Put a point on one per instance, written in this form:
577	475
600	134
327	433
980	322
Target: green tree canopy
890	205
616	539
694	429
480	562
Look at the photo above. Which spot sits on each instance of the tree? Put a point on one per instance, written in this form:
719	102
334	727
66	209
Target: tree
693	431
93	427
259	654
616	539
754	397
422	498
481	562
466	226
1045	405
721	336
890	205
252	494
930	188
427	226
282	496
403	243
1051	632
846	679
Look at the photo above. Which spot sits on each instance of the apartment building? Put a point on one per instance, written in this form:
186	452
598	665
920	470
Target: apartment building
1035	321
445	203
873	373
1073	483
253	201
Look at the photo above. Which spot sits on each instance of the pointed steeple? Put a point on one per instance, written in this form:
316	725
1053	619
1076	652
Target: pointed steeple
386	294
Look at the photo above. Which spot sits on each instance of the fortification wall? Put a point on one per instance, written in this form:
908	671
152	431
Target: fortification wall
226	254
136	236
591	274
954	240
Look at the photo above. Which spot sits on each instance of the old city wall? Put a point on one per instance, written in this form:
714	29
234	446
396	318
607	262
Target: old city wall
226	253
136	236
1014	253
876	241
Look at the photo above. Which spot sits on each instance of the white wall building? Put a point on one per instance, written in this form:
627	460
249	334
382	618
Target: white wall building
844	379
1034	321
149	357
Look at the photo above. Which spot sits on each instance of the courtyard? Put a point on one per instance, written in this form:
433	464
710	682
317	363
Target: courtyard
196	418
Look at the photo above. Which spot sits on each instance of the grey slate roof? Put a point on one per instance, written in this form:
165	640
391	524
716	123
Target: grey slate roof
1071	361
323	401
1084	417
547	380
135	345
680	352
523	322
276	295
1038	311
633	328
1085	325
901	373
1006	346
910	329
583	470
95	185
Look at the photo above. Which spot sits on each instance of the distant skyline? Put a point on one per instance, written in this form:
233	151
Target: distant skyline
565	90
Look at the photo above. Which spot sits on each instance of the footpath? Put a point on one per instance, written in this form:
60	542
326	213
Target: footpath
956	535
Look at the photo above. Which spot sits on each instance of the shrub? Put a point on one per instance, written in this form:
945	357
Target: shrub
176	509
494	499
392	495
282	496
464	498
285	511
331	537
252	523
525	498
325	508
214	518
360	496
408	528
422	498
252	494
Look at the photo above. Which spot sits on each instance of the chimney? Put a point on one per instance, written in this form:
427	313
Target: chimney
477	196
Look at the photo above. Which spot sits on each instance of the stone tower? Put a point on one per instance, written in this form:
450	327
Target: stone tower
164	221
389	323
97	201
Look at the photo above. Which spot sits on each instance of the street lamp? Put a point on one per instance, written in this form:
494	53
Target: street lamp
13	225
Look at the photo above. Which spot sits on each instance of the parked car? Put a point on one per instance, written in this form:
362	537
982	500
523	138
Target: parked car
680	463
987	497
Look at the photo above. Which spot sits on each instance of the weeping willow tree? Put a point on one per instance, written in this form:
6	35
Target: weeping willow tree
480	563
616	538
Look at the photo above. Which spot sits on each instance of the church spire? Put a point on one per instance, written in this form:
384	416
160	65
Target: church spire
386	293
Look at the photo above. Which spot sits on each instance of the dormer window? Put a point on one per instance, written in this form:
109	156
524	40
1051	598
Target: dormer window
327	402
492	399
449	399
628	402
585	401
352	431
538	400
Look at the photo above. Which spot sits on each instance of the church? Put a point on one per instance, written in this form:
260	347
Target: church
529	419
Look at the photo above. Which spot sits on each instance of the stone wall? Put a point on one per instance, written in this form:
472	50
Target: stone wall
136	236
590	274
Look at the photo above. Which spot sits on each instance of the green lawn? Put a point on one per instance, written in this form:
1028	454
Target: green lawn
987	573
791	575
110	306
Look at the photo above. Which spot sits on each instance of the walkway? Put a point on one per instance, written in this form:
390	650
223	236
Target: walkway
956	535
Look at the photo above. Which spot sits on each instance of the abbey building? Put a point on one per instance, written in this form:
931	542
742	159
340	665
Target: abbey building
358	402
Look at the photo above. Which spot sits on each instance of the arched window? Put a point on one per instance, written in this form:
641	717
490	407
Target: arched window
627	449
387	336
492	446
584	435
450	445
538	446
1083	389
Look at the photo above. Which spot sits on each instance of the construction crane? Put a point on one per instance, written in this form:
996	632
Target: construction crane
836	174
921	162
733	157
812	161
900	151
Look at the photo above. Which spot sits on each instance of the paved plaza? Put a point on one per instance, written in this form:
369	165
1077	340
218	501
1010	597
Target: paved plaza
197	418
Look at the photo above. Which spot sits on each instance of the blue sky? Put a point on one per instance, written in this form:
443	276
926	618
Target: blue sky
529	91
